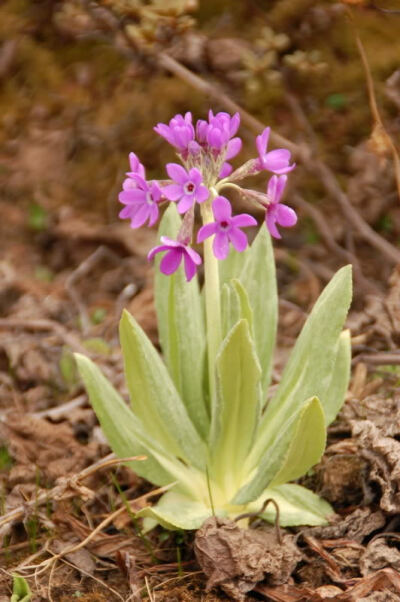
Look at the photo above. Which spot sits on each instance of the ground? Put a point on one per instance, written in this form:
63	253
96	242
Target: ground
77	96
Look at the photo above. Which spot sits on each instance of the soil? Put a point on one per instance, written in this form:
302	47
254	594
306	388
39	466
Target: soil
75	99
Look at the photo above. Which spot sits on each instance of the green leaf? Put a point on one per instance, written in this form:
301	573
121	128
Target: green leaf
154	398
182	331
238	405
121	428
21	591
306	446
177	511
297	506
232	266
235	306
290	452
339	384
259	280
309	370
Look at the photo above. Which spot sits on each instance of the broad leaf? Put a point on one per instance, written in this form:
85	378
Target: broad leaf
235	306
154	397
337	389
121	428
177	511
232	266
259	280
297	506
309	370
306	446
182	331
238	406
280	454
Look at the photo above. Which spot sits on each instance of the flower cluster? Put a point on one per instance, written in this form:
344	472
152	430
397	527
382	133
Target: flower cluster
205	150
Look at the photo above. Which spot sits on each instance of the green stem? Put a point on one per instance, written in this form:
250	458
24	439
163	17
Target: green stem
213	303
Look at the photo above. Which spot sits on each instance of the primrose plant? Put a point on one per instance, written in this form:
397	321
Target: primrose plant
214	434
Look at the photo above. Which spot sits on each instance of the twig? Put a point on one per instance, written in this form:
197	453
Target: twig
326	233
83	269
378	359
61	489
62	409
44	325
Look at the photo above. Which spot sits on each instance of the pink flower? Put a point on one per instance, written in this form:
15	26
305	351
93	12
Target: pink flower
172	260
188	188
137	169
277	160
226	228
179	133
276	212
141	202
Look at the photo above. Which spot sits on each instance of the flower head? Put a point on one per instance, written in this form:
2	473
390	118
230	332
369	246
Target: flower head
141	202
187	188
226	228
276	212
137	169
277	160
179	133
176	251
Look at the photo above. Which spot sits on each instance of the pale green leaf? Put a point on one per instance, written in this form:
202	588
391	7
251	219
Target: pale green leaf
235	306
182	331
337	389
177	511
259	280
297	506
306	446
238	405
279	449
232	266
154	397
120	426
310	367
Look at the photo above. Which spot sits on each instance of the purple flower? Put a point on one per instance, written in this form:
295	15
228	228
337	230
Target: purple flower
179	133
141	202
226	228
276	212
277	160
176	251
137	169
187	189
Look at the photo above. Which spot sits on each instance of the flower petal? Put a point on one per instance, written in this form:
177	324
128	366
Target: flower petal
206	231
270	220
285	216
195	257
190	267
132	196
262	142
221	245
170	241
140	216
173	192
238	239
202	194
186	202
177	173
233	148
170	262
156	250
243	220
222	209
226	170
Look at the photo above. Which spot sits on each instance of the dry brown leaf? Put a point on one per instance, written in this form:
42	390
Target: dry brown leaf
237	559
383	454
379	555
